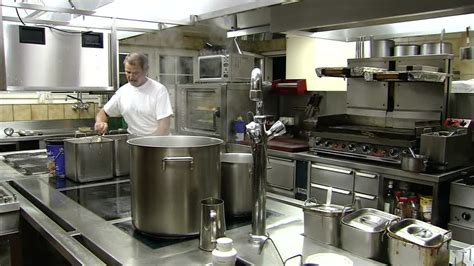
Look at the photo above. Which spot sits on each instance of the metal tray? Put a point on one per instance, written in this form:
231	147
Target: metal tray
420	233
369	220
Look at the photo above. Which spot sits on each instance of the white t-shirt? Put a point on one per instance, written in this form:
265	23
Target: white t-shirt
141	107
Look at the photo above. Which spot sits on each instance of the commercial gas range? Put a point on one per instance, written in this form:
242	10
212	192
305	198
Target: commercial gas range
363	137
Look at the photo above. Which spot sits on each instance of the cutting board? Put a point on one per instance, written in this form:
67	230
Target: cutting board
286	144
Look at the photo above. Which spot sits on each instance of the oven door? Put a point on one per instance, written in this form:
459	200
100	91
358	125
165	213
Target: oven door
200	109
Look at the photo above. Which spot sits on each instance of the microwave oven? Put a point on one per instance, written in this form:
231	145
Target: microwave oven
225	68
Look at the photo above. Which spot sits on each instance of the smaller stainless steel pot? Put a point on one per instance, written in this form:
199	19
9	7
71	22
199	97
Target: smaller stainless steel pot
363	233
415	164
406	49
321	222
436	48
412	242
236	184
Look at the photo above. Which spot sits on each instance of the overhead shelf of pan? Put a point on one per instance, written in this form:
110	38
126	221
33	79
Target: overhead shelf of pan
414	75
346	72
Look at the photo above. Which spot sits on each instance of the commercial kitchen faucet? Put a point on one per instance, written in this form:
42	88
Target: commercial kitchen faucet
259	137
79	105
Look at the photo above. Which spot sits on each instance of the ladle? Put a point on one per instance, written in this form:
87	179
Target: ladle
412	152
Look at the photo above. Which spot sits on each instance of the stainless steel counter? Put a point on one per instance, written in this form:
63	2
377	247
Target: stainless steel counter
84	237
43	129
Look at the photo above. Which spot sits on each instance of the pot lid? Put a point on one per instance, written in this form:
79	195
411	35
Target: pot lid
420	233
369	220
325	209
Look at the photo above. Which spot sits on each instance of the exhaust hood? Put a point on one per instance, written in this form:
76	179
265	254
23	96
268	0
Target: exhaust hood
48	59
345	20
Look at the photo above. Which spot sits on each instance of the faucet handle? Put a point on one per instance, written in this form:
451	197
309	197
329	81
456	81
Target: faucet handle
277	129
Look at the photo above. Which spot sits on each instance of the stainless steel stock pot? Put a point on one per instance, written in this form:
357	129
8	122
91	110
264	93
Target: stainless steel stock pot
170	175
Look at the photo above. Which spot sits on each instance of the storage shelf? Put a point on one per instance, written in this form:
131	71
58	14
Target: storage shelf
410	76
346	72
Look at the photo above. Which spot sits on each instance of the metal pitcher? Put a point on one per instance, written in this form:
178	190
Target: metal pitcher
212	223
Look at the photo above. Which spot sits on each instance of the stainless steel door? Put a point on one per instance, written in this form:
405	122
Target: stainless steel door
281	176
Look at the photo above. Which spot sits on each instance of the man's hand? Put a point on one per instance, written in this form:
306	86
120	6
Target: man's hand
101	127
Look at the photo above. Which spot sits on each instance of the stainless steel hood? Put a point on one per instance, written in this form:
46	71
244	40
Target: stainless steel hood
47	59
346	19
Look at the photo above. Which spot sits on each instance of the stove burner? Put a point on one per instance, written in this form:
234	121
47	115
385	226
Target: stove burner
111	201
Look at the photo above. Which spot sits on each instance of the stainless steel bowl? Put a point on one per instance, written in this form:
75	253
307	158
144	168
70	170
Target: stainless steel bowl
406	49
436	48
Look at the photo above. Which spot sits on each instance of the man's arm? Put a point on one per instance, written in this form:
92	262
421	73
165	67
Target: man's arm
101	119
164	126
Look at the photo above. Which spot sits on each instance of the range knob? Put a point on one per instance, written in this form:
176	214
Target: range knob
327	144
366	148
466	216
394	152
351	147
318	141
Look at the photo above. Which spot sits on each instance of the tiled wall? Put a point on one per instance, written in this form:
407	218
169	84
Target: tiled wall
27	112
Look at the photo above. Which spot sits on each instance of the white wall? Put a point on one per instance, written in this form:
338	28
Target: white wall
304	54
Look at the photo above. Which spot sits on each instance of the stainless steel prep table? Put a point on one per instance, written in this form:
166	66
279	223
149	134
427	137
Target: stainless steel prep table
83	236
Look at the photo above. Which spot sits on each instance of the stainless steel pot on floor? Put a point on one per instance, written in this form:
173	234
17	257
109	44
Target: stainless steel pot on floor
170	175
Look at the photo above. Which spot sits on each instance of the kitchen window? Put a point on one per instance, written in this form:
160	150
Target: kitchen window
176	69
122	75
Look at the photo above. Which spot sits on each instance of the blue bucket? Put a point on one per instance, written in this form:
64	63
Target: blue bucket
55	152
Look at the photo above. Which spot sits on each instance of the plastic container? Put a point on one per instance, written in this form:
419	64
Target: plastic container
55	153
426	205
224	254
239	128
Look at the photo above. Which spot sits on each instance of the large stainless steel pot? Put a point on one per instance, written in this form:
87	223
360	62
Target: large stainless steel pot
406	49
436	48
381	48
374	48
170	175
237	183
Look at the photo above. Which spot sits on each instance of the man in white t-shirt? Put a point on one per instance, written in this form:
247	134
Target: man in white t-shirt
142	102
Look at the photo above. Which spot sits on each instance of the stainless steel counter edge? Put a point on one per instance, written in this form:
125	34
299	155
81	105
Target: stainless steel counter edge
72	250
285	228
380	169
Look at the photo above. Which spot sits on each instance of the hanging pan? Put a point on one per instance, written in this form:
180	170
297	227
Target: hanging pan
468	51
